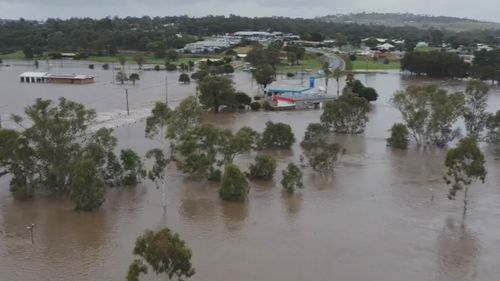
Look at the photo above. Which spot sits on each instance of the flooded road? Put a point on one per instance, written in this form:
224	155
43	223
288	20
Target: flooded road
374	219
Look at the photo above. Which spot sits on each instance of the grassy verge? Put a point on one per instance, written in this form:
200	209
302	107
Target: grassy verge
310	62
149	59
427	49
375	65
18	55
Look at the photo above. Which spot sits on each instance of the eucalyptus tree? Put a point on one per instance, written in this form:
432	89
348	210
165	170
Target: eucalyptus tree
475	115
47	151
234	185
429	113
292	178
348	114
465	164
162	251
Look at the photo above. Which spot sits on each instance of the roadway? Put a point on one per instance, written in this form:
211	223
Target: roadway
334	60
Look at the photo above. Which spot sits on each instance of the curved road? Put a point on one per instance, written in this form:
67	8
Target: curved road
335	61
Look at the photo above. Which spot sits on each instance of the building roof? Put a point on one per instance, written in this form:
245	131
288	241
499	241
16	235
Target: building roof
34	74
69	76
287	89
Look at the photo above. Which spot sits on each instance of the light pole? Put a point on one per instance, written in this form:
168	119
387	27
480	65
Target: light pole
30	228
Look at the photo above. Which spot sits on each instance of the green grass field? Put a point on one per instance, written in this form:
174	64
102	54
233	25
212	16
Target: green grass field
13	56
375	65
18	55
427	49
310	62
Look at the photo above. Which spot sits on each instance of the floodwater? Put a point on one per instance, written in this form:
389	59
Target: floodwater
382	215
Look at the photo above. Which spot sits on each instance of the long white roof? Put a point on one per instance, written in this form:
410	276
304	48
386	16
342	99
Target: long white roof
34	74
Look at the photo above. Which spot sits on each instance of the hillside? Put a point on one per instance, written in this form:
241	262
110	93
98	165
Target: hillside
418	21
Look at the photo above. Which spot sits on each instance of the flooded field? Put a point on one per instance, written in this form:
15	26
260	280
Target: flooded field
374	219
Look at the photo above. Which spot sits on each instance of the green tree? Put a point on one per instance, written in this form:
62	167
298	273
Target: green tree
316	134
234	186
121	77
217	91
170	66
54	139
368	93
264	74
346	115
134	77
399	136
475	115
133	169
231	145
429	113
165	252
28	52
122	60
242	99
263	168
493	126
139	59
464	164
277	135
292	178
87	188
184	78
172	55
198	147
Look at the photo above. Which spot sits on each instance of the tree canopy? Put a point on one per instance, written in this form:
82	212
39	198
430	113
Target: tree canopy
347	114
429	113
162	251
58	152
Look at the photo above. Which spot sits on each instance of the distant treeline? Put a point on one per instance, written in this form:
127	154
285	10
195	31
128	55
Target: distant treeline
108	35
486	65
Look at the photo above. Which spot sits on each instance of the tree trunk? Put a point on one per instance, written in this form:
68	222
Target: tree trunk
164	193
465	198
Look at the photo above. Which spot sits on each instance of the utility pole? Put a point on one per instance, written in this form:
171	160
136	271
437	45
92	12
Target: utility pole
30	228
166	90
126	97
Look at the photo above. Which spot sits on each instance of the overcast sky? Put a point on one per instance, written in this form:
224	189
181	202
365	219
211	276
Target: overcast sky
42	9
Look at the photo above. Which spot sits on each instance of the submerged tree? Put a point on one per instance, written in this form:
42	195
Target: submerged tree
121	77
263	168
165	252
399	136
231	144
316	134
87	188
324	157
475	115
46	154
134	77
465	164
277	135
217	91
234	186
264	74
429	113
292	178
346	115
133	169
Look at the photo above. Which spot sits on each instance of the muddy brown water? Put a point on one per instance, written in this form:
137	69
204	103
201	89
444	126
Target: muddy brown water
373	219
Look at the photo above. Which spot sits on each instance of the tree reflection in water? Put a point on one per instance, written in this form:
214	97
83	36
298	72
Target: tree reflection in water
458	252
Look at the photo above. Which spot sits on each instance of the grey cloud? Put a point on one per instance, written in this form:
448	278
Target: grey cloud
41	9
